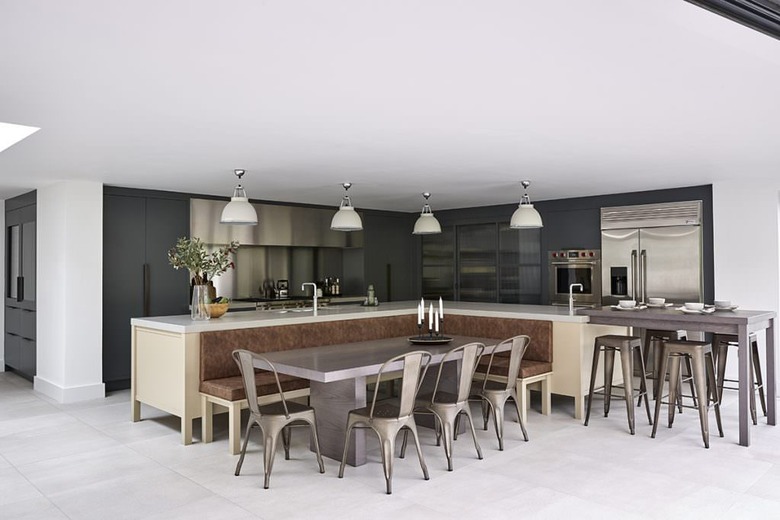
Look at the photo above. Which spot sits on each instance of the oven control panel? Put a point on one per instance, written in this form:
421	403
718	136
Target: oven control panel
569	255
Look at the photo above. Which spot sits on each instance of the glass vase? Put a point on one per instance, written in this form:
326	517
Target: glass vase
200	303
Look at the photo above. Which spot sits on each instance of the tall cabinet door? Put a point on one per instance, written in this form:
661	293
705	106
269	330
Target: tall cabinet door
166	221
124	245
478	263
137	280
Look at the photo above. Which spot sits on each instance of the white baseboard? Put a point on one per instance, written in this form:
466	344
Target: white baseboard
71	394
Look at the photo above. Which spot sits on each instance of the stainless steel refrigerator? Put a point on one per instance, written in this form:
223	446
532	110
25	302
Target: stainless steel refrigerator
652	250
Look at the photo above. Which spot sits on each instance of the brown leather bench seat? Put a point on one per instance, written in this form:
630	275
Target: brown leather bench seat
232	388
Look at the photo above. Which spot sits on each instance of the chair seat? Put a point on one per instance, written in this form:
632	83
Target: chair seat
232	388
278	409
441	398
528	367
382	410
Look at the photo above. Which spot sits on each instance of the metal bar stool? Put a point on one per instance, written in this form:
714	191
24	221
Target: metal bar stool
721	344
627	346
654	340
700	354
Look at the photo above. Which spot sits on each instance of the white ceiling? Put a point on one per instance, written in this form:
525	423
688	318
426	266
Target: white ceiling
463	98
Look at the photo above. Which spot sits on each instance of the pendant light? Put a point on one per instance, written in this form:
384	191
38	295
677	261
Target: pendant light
239	211
426	224
525	216
346	218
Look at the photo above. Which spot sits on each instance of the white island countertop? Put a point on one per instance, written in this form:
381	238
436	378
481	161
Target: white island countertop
250	319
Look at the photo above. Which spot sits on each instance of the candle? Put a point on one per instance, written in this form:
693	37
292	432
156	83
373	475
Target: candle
437	324
430	317
419	315
441	309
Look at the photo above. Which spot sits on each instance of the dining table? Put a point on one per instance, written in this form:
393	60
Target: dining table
338	375
740	323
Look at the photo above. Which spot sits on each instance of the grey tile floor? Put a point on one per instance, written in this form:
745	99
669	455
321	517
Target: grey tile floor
89	461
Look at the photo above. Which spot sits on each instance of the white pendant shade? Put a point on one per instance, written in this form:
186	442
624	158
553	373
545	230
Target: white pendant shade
346	218
239	211
526	217
426	224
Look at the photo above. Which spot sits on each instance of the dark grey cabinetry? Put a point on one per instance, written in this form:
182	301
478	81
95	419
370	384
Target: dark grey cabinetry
389	260
138	229
20	229
482	262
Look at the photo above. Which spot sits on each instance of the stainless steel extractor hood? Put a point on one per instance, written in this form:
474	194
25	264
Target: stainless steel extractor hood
278	226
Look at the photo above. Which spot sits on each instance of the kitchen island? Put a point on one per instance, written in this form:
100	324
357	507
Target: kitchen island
166	350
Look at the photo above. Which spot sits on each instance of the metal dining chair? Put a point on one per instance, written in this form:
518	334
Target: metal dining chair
388	417
446	406
495	390
272	419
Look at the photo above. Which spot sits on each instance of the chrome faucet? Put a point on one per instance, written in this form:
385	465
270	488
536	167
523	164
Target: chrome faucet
571	296
314	286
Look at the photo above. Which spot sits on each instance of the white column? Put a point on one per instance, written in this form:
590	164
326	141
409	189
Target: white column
746	234
69	291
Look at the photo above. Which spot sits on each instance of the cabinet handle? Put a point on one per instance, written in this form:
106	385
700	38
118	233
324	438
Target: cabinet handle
20	288
147	296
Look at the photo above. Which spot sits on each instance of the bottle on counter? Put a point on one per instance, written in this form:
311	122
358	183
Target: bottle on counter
371	295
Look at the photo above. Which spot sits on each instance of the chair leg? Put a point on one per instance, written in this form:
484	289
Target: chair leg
346	447
467	413
715	399
403	444
691	383
699	380
660	376
674	386
513	395
269	452
643	385
759	377
609	370
720	351
593	370
286	435
388	449
249	425
485	414
627	364
413	428
498	421
315	437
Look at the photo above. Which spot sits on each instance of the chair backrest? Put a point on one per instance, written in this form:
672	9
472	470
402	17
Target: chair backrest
519	344
471	354
415	366
247	362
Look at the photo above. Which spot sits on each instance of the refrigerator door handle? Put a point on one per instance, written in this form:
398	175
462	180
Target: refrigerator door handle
643	273
634	271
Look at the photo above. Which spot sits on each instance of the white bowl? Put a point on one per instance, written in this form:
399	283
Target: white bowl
627	304
694	306
722	304
656	301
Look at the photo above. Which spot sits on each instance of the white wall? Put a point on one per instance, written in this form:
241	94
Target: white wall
69	291
746	246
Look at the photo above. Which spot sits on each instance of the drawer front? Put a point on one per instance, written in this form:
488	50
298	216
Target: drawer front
13	320
13	345
28	324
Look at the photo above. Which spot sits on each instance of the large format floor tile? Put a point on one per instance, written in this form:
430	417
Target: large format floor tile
89	461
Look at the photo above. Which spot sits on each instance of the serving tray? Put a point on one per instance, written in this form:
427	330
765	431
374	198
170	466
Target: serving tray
429	340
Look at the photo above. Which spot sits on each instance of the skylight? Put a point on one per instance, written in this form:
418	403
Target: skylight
11	134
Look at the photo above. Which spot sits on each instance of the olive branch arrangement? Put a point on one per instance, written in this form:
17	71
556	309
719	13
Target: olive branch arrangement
191	254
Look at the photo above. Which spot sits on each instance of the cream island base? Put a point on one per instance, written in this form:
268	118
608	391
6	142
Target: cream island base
166	350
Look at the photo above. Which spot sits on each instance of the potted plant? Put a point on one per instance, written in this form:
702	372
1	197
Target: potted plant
191	254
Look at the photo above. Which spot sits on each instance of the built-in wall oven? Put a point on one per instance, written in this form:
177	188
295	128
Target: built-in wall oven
572	266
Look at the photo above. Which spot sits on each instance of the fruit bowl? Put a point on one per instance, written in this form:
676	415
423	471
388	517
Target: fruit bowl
218	309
